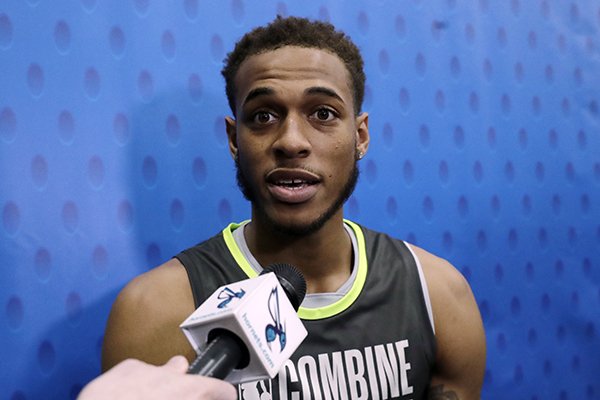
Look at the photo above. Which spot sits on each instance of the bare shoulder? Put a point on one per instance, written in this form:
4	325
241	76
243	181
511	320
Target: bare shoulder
461	350
145	317
445	282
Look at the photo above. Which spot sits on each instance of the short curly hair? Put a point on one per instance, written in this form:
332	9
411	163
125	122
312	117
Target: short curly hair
302	32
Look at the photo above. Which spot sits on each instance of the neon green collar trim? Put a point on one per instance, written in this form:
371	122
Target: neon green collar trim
311	313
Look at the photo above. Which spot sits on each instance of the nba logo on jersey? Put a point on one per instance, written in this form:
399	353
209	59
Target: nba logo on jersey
260	390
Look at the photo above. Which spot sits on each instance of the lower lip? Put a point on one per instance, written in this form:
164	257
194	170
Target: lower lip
293	195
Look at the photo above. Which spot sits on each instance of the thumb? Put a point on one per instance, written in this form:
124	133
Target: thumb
177	363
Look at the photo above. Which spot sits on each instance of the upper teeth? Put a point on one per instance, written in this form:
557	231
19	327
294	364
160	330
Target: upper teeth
291	182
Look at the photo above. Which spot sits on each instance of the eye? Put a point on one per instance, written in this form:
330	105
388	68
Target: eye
262	117
324	114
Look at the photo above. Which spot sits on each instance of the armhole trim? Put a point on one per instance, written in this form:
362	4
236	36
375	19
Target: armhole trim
423	286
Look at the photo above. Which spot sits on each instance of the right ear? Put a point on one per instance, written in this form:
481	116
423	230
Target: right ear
231	128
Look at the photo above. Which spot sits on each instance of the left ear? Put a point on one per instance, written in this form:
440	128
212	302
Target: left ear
362	134
231	129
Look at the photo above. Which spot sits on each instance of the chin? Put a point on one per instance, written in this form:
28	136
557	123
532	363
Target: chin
297	225
297	229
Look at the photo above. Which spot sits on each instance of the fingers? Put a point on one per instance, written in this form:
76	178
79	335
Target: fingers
206	388
178	363
220	390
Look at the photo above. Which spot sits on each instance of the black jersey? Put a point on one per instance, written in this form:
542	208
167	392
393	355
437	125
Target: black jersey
376	342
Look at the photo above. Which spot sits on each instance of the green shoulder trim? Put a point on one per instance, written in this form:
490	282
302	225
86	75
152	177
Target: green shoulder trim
235	250
357	287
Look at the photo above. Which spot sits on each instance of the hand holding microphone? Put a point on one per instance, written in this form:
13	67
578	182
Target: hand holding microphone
246	330
135	379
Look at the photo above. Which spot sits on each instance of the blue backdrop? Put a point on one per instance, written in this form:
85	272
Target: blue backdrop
485	149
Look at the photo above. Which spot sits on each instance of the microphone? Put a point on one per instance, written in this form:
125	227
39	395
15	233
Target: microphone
245	331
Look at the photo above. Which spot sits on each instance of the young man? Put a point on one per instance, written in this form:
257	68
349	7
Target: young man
385	318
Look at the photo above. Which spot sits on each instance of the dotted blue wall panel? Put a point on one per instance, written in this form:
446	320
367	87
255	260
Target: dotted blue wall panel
485	127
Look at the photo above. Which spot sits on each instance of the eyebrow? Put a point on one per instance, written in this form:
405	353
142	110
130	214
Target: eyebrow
267	91
257	92
325	91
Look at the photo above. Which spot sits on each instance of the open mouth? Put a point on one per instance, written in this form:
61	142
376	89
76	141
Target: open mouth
292	185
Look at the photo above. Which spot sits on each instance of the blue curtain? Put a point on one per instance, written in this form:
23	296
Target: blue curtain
485	128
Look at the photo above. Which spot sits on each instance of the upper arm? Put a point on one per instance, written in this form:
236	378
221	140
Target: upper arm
144	320
460	359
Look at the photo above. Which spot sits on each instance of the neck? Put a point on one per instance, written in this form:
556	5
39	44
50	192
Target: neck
324	257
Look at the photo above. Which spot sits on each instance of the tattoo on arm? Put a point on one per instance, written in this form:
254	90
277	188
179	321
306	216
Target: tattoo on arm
438	393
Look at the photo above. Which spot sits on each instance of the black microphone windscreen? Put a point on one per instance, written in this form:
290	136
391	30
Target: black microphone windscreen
292	281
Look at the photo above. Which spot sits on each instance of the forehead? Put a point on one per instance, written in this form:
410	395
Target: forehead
292	67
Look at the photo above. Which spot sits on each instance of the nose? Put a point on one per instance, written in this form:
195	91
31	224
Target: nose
291	141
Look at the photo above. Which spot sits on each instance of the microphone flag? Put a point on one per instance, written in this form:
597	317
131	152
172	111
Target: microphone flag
259	313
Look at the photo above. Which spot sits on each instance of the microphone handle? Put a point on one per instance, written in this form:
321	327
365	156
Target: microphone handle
221	356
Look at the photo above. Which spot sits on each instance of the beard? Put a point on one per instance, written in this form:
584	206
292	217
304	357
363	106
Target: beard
297	230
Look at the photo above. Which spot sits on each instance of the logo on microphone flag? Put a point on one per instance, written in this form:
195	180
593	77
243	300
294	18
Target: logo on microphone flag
227	295
277	329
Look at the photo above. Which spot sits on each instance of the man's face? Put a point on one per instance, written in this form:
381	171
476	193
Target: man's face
296	137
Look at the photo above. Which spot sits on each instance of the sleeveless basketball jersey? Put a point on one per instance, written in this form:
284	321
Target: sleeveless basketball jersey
376	342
